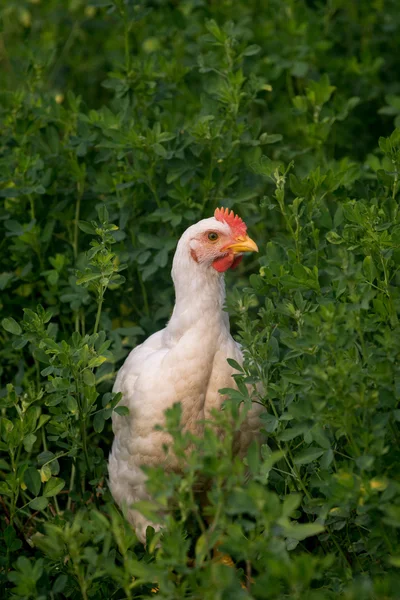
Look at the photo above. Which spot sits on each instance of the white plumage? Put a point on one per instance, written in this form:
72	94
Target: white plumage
186	362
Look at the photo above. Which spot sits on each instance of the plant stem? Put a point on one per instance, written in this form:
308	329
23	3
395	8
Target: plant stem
71	485
82	582
144	293
77	214
56	505
155	193
32	205
248	575
395	182
98	315
208	180
84	443
44	440
338	547
77	321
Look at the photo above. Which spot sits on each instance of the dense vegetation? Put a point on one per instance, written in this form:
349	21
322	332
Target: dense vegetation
123	122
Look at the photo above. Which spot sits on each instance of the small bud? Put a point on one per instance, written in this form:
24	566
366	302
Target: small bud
90	11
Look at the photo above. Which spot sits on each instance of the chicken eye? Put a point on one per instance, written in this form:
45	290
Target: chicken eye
212	236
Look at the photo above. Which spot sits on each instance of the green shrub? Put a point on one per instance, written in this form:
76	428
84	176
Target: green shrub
122	123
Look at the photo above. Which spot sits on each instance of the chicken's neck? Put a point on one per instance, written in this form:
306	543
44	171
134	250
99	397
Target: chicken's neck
199	297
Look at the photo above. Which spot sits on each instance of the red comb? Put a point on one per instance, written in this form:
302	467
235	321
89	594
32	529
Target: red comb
237	225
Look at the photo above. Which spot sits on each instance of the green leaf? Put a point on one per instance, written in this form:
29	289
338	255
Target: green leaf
102	213
326	459
87	227
307	456
60	584
10	538
11	325
5	489
369	269
89	378
302	531
47	371
251	50
45	457
214	29
235	365
149	510
160	150
270	422
46	473
87	278
97	361
28	441
20	343
239	501
334	238
299	68
253	457
72	404
204	543
53	486
98	422
32	480
122	410
290	503
39	503
292	432
319	92
270	139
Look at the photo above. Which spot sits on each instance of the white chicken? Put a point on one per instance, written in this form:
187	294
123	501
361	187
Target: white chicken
186	362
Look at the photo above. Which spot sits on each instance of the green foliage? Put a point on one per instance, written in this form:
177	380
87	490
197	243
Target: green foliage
122	123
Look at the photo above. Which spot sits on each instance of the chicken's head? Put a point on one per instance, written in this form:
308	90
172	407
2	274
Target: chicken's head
220	241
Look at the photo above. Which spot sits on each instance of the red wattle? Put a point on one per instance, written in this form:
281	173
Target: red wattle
224	263
237	262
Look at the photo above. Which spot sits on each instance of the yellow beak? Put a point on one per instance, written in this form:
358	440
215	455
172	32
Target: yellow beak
242	244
